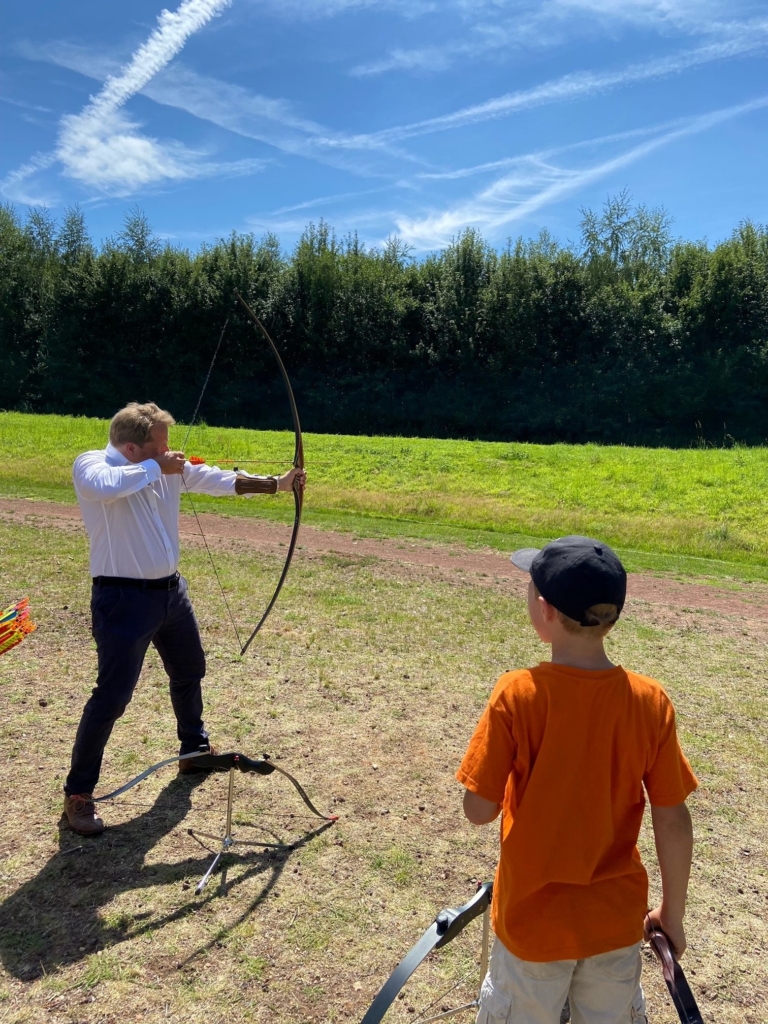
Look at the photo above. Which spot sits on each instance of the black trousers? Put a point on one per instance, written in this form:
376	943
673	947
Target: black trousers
125	622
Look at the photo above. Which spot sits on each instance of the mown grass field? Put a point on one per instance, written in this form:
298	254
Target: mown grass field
365	684
696	511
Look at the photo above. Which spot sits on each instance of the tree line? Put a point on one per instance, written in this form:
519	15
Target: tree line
628	336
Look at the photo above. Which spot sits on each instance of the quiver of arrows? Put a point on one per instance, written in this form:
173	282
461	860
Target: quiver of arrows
15	624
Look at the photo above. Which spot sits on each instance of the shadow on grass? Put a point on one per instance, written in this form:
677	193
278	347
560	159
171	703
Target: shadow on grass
53	920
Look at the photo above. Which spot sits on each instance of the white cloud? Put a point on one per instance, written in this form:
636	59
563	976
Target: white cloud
546	154
305	9
15	186
274	122
101	147
504	26
229	106
574	86
25	106
329	200
535	184
425	58
271	121
369	223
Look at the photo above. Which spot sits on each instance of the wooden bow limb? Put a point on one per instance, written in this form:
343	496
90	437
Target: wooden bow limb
675	979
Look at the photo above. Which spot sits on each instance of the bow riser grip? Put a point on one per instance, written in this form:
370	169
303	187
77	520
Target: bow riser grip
453	921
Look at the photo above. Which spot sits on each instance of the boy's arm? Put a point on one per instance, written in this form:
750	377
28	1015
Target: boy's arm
479	810
673	833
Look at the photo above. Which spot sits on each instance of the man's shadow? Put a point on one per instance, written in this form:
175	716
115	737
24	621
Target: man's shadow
53	919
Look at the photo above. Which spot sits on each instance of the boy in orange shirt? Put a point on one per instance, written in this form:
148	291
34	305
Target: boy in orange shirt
564	751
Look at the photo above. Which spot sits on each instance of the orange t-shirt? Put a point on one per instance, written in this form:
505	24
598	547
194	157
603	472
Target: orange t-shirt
567	752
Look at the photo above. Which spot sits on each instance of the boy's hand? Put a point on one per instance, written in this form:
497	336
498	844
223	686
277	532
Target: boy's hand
672	928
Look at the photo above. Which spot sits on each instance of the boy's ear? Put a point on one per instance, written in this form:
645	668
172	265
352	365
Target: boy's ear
547	610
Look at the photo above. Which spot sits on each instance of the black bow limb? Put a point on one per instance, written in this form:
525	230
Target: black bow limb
675	979
223	763
446	926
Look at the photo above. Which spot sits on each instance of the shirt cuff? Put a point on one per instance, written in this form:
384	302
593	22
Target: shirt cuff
152	469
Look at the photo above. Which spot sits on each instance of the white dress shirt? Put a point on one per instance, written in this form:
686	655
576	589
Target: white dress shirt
131	511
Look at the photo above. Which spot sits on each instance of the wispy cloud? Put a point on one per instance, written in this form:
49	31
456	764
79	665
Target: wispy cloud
101	146
502	27
552	151
330	200
274	122
305	9
370	223
25	106
104	149
535	184
16	184
575	86
422	58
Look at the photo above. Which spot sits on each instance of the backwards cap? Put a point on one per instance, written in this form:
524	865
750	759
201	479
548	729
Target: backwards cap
575	573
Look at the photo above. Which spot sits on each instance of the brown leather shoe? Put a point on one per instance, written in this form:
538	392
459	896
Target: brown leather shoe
80	812
187	765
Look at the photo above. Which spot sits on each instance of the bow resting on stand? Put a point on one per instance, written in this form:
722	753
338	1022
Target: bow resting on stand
230	762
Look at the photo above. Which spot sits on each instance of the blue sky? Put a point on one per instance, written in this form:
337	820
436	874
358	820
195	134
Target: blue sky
408	117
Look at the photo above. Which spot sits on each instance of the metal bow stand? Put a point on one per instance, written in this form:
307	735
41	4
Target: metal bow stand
227	840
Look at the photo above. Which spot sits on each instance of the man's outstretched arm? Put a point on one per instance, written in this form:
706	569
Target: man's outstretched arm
247	484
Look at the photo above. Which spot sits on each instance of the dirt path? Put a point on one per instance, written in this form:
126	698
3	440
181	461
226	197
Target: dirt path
745	603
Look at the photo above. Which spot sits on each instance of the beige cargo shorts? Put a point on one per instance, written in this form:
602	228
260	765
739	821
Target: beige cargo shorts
602	989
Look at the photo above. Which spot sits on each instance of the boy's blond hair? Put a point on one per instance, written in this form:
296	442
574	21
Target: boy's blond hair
132	424
602	618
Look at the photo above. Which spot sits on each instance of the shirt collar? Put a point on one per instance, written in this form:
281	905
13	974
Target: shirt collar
116	456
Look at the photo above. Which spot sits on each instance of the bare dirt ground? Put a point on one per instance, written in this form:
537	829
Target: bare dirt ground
367	697
741	607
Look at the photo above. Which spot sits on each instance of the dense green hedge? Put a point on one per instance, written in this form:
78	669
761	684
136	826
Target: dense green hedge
629	337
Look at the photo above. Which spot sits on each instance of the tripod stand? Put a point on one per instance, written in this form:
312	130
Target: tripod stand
241	763
227	840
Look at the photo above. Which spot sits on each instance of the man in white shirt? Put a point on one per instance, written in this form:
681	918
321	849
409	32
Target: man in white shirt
129	496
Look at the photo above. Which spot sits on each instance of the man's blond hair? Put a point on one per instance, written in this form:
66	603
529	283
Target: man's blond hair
133	423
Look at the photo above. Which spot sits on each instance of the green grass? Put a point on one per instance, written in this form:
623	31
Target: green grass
697	512
365	684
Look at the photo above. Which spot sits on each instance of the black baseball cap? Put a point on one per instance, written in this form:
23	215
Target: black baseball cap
574	573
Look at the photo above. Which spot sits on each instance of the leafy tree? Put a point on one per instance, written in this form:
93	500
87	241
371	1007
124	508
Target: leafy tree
631	336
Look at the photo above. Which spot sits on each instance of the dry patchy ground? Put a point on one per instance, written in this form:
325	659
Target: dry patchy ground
365	684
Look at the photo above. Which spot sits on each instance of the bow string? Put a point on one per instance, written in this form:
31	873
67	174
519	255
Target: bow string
298	463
